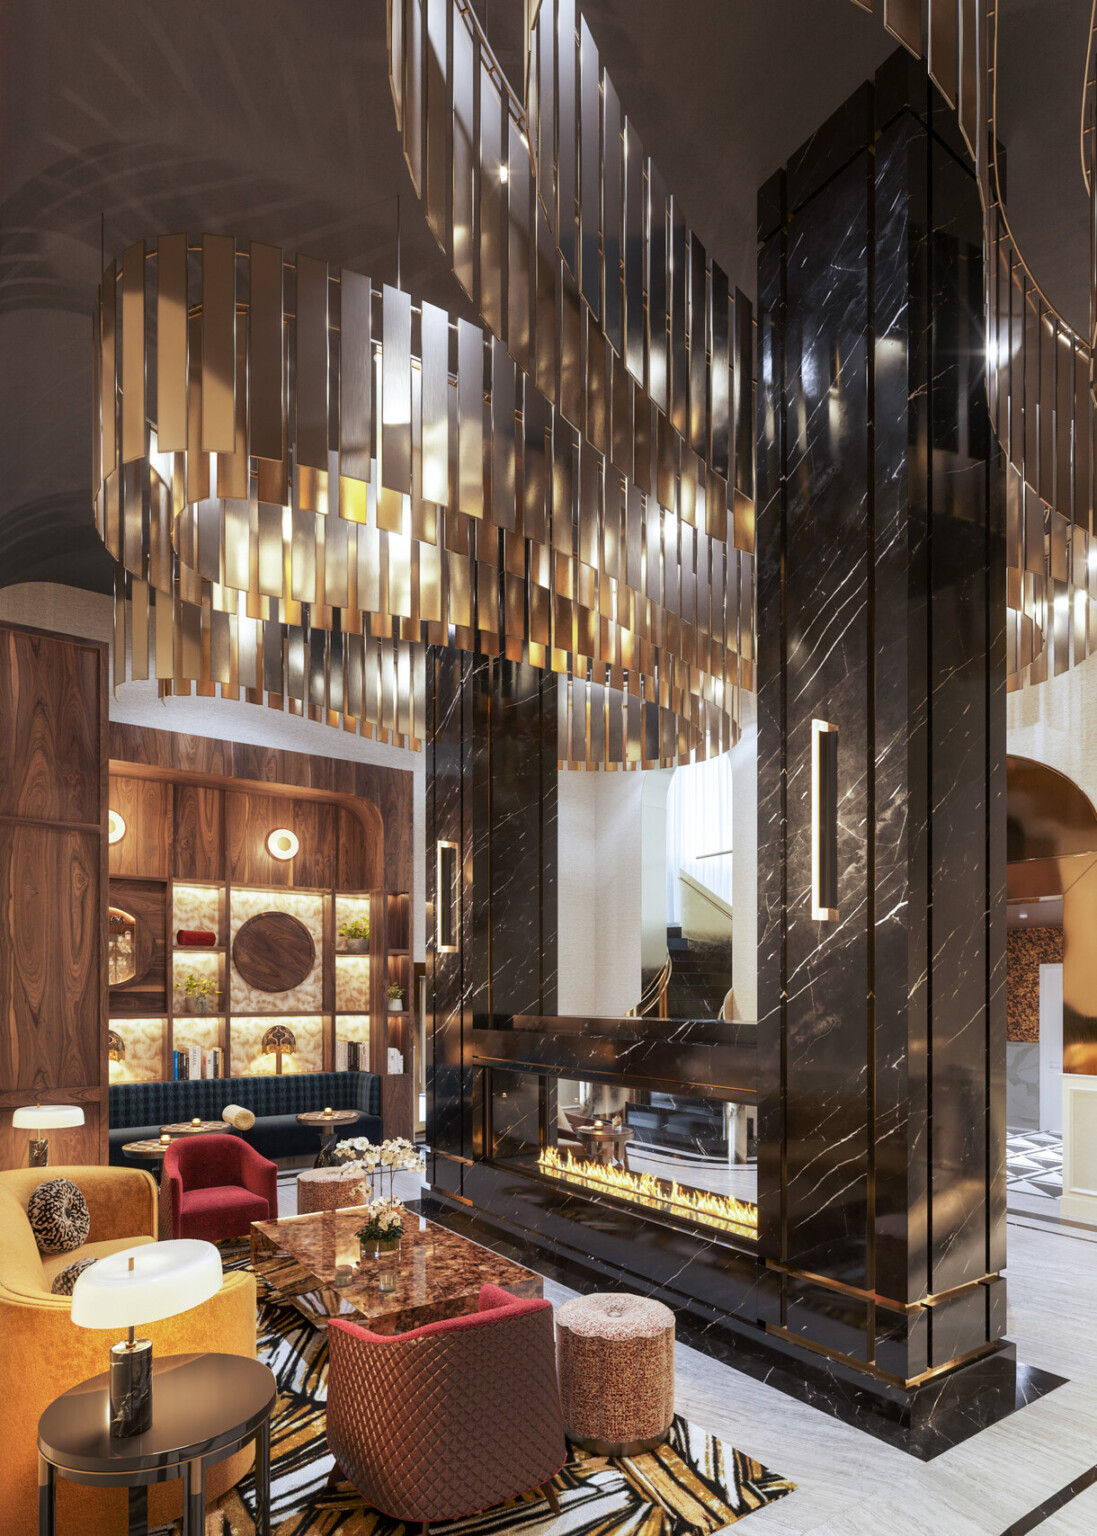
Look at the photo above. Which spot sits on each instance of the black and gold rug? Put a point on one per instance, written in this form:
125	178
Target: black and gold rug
693	1485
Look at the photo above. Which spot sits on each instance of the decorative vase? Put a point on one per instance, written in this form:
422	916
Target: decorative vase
378	1247
199	1005
396	1005
356	946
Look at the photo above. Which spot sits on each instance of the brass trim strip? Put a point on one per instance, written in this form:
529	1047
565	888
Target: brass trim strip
874	1370
839	1287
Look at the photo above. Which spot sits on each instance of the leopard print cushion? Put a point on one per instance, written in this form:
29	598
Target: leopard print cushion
58	1216
64	1281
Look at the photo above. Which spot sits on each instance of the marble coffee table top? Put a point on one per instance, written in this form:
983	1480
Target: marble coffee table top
313	1263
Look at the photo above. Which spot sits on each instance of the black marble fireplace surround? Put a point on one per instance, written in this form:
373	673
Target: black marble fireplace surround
875	1287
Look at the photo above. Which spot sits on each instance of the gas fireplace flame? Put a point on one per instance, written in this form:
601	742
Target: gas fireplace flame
721	1211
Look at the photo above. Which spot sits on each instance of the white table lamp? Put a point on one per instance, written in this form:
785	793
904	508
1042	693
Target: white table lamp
135	1286
45	1117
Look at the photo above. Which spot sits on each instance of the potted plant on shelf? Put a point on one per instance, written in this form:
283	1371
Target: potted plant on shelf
199	991
355	935
382	1229
396	998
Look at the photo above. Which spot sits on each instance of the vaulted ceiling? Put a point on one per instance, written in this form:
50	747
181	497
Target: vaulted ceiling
125	119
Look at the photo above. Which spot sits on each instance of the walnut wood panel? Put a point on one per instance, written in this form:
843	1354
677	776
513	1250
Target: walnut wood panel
273	952
53	885
385	795
50	966
358	857
50	730
250	818
145	807
146	991
198	852
396	1105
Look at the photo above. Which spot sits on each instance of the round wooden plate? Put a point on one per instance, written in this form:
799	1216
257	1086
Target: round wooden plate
273	952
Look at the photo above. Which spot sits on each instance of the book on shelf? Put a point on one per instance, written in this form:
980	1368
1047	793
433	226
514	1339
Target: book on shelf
351	1055
212	1062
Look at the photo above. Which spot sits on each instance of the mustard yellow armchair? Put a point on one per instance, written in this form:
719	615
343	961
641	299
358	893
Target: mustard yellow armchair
42	1353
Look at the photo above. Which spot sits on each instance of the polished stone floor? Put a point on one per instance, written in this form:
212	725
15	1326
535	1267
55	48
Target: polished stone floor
850	1484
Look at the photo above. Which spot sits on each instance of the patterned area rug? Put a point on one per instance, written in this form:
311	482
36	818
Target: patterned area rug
693	1485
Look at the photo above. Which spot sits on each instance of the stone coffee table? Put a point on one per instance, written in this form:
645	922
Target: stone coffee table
312	1263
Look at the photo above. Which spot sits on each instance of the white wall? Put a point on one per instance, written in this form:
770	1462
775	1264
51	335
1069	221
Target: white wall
1056	723
599	892
70	611
744	863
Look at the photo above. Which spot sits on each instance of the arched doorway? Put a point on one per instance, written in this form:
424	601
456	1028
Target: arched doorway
1051	848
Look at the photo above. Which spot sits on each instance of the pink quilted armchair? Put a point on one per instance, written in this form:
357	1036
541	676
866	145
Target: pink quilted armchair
216	1186
449	1419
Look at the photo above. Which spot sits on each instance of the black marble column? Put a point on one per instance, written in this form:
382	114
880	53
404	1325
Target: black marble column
491	790
881	593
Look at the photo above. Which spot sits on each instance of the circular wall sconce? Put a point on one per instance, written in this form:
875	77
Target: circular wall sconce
116	827
282	843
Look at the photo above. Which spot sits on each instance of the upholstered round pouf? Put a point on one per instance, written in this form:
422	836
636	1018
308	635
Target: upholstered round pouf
329	1189
615	1356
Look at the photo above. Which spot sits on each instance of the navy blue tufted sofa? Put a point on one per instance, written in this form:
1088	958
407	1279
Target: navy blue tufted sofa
138	1110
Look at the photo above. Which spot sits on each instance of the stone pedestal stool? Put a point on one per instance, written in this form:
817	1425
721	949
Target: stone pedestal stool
615	1356
329	1189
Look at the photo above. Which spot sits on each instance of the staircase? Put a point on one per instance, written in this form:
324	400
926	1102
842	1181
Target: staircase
700	977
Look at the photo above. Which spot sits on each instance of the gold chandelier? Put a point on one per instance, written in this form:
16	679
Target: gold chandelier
583	209
305	480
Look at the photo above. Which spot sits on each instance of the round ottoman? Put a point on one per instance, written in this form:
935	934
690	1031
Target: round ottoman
329	1189
615	1356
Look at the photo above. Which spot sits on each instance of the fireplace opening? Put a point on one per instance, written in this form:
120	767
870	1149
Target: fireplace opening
670	1157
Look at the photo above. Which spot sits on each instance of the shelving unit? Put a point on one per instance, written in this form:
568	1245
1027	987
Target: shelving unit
195	854
351	993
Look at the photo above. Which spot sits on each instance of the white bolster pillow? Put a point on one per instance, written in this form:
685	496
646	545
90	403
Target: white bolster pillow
238	1117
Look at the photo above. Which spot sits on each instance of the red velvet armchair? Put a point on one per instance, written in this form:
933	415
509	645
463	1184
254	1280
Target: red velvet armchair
449	1419
217	1186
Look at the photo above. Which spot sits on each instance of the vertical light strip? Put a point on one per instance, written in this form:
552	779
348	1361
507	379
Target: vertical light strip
824	822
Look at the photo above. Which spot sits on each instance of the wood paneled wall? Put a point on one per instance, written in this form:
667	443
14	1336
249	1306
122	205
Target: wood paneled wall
199	766
53	887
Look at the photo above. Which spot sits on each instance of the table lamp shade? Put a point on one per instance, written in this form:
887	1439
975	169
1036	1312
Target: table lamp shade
47	1117
166	1278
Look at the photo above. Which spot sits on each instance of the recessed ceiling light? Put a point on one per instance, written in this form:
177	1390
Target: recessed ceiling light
282	843
1022	914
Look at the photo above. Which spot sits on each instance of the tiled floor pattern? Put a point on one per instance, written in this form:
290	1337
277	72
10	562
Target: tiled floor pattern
849	1484
1034	1163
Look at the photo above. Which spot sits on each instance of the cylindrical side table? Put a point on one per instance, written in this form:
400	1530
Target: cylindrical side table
615	1356
330	1189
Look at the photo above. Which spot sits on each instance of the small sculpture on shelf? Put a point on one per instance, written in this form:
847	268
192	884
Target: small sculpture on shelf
355	935
121	946
278	1039
116	1046
199	991
396	998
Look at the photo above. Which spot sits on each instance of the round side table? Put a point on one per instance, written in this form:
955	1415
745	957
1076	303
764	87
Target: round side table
204	1409
607	1143
203	1128
150	1151
327	1122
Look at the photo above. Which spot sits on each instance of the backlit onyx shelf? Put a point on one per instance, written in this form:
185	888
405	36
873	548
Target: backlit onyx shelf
152	1014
